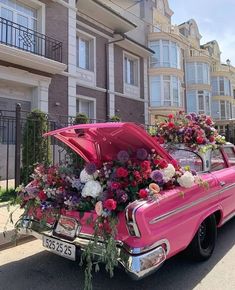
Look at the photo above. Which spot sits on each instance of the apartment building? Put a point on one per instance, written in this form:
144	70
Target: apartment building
33	55
186	75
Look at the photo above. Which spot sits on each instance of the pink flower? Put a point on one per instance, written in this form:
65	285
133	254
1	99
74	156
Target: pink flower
170	116
110	204
200	140
115	185
145	165
171	125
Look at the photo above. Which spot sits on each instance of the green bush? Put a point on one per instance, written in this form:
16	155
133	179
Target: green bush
7	195
115	119
76	160
36	149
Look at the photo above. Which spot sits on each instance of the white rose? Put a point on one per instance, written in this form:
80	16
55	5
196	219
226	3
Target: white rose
92	188
186	180
168	172
84	176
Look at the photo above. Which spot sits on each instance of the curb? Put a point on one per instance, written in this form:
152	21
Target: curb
8	240
3	204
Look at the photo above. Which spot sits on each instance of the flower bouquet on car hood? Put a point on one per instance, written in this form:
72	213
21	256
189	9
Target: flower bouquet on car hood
192	129
123	164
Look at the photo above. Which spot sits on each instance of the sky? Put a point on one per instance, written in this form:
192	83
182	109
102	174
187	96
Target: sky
215	20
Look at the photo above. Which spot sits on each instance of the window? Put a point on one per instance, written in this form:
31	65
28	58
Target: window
85	53
197	73
87	107
230	154
165	91
187	158
225	110
217	160
203	102
15	11
221	86
167	54
131	70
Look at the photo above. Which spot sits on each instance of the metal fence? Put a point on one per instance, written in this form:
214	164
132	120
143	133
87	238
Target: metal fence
16	130
21	37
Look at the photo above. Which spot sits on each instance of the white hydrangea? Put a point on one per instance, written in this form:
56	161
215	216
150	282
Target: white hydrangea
186	180
168	172
92	188
84	176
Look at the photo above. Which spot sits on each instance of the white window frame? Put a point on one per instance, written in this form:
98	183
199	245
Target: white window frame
85	76
41	11
132	90
205	73
204	94
85	98
171	91
170	45
136	60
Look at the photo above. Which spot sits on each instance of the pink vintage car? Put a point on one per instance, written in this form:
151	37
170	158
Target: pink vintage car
149	230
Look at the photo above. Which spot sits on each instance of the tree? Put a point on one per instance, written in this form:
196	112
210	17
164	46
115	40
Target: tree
36	149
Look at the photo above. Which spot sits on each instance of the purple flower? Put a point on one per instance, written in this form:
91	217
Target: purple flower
90	168
141	154
123	156
156	176
193	172
189	117
121	196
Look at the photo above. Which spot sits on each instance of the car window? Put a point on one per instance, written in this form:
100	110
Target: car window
187	158
230	154
217	160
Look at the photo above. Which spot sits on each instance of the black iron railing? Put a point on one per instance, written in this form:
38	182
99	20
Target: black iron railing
26	39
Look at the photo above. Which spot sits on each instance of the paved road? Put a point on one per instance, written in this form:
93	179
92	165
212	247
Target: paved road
29	267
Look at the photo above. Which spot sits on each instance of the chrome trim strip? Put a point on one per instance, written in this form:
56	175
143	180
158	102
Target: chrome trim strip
187	206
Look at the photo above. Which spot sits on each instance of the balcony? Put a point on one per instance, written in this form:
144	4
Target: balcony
23	46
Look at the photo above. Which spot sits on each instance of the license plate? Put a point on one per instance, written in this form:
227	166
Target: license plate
67	227
58	247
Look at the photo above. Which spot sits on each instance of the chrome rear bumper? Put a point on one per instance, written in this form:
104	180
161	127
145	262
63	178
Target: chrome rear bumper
137	263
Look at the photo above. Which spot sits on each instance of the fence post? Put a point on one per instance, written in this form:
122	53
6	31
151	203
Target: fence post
17	145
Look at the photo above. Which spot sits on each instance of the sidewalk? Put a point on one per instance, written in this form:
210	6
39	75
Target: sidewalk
7	232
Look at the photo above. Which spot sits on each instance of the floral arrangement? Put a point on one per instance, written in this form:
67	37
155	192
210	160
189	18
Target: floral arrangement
190	129
104	191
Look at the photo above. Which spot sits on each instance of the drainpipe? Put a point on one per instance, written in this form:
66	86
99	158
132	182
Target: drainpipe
107	71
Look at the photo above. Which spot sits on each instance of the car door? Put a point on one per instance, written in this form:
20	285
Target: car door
225	174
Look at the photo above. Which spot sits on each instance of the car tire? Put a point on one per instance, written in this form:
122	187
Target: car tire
203	243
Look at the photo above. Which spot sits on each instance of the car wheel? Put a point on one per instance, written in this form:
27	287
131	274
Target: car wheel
203	243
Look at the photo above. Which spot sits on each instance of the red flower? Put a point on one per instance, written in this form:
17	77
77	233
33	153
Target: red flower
171	125
143	193
38	213
110	204
121	172
115	185
200	140
208	121
212	139
42	196
145	165
134	183
170	116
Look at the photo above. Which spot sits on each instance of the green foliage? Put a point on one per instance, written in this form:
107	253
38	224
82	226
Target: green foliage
7	195
76	160
36	149
81	119
115	119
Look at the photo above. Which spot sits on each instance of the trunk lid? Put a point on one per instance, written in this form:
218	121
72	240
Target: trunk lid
101	142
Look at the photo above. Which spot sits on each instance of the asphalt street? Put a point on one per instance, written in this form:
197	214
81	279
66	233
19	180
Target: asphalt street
30	267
